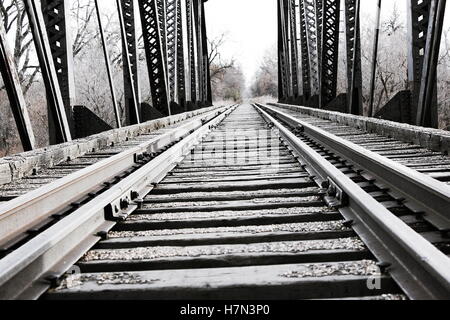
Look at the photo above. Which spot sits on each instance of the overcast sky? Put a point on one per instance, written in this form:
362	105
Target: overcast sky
251	26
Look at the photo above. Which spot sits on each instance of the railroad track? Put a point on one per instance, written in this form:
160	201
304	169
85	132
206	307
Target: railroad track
432	163
259	209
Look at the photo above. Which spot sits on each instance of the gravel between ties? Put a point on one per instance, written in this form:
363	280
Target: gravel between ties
149	253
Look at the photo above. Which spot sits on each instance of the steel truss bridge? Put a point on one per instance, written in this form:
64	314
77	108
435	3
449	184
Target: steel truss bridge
308	198
308	51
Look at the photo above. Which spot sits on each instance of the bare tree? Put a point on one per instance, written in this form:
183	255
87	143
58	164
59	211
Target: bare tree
265	82
14	17
218	65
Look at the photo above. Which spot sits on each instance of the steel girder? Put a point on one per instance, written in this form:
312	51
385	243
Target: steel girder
57	112
152	18
284	75
425	22
313	36
418	20
55	17
191	49
172	48
353	42
319	35
181	75
11	81
132	99
206	70
204	85
427	112
330	51
306	71
163	26
294	48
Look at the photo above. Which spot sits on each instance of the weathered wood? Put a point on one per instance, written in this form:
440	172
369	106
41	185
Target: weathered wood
262	282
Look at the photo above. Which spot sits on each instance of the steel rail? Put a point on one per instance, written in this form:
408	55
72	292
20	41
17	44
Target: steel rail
420	269
30	270
431	195
19	214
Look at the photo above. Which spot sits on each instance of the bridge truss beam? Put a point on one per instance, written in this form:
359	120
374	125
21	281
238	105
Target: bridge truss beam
55	14
425	23
353	44
318	34
329	52
58	123
165	44
11	82
131	64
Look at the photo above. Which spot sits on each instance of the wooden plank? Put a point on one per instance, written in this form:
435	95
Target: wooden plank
256	282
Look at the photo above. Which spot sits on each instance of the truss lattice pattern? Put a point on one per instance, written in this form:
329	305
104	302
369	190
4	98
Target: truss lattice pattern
172	44
312	21
350	22
130	31
181	85
306	72
294	47
283	51
329	60
152	17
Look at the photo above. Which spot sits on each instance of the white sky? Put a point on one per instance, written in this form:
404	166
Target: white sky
251	26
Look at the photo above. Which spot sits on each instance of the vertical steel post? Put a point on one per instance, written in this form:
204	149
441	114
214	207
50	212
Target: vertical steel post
55	13
284	74
152	19
312	20
192	47
172	46
293	48
418	22
329	51
207	73
201	42
61	132
181	74
282	89
375	58
130	62
427	114
17	102
353	39
306	76
108	66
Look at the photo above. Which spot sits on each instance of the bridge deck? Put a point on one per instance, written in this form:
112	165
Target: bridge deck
263	243
241	214
435	164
